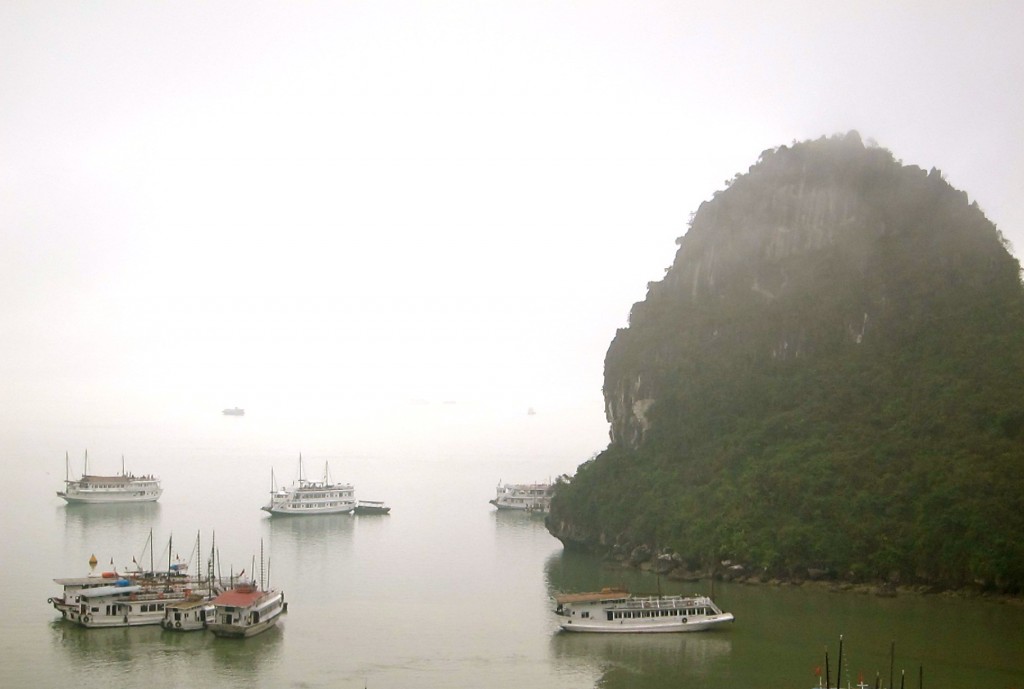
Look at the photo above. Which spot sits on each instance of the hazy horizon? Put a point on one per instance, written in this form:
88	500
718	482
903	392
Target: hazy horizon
349	216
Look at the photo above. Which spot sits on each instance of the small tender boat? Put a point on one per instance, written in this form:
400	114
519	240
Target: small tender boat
371	507
246	610
616	610
311	497
533	497
93	489
191	614
234	411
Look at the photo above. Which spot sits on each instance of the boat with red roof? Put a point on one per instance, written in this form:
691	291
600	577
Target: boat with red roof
246	610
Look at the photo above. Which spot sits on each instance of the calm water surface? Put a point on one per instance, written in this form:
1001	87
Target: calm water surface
444	592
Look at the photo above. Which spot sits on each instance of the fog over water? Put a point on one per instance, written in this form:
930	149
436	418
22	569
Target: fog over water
349	208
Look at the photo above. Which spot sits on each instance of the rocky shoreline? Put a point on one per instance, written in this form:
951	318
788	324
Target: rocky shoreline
673	567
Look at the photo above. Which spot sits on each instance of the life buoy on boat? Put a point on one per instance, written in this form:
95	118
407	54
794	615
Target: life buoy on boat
178	625
684	620
86	618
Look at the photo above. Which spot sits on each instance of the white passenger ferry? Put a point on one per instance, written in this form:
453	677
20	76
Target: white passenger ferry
311	497
532	497
246	610
122	488
616	610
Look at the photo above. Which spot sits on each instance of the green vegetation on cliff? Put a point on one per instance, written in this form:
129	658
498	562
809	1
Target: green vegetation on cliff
830	377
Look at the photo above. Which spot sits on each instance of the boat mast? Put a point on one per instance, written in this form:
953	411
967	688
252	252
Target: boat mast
67	468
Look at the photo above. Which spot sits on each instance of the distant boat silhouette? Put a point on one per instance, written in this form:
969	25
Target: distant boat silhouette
234	412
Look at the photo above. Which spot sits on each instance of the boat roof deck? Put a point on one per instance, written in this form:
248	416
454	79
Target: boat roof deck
240	597
593	596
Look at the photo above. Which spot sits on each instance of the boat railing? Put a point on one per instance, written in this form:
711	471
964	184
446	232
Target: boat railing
658	602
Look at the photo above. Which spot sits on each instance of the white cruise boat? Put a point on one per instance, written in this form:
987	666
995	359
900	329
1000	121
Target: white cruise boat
530	497
122	488
616	610
246	610
311	497
125	604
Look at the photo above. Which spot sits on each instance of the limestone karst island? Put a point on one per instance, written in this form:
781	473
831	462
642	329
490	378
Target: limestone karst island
827	384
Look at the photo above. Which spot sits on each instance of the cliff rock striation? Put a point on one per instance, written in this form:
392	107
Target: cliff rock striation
827	379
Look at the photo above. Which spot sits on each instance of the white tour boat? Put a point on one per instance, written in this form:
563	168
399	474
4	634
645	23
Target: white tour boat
73	586
616	610
124	487
125	604
531	497
311	497
246	610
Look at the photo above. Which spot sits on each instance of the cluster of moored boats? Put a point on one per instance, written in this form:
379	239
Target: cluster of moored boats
173	599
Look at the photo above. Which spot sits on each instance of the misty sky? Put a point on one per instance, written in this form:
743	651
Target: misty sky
286	205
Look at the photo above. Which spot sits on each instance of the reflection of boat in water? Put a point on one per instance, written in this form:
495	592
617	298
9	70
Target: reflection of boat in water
530	497
123	488
686	657
234	411
311	497
371	507
618	611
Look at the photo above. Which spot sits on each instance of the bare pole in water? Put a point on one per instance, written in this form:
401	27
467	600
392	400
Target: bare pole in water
828	678
839	665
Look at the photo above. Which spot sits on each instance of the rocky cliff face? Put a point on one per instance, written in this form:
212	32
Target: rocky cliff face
763	243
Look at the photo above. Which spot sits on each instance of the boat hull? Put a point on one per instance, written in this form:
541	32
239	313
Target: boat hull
644	626
107	498
234	631
287	511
